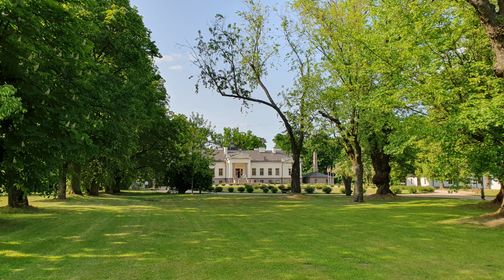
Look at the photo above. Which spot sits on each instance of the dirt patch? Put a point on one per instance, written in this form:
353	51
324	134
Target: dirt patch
385	197
491	220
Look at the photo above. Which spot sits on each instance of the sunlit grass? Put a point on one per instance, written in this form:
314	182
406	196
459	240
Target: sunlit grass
157	236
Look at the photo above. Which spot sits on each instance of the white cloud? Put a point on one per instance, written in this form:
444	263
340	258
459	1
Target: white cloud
168	58
175	67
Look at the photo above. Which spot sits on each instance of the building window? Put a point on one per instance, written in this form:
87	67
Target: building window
261	171
262	181
253	171
270	171
221	171
277	171
271	181
290	171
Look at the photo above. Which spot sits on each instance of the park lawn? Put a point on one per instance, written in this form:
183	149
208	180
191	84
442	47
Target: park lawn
159	236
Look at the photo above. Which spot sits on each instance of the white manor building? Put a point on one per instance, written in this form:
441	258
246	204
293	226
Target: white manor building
249	167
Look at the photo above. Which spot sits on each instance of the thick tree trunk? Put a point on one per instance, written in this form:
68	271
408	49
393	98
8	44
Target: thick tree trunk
76	179
93	188
17	198
116	186
62	182
381	167
358	168
500	195
493	22
347	182
296	173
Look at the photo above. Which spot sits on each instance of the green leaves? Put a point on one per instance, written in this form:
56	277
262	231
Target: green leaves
9	103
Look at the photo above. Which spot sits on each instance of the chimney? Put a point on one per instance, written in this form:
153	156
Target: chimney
315	162
273	151
225	151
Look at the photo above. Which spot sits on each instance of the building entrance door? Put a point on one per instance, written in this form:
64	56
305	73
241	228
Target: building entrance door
239	172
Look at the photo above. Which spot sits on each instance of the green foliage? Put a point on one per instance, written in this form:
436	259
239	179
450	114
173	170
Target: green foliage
274	189
241	189
327	190
396	190
265	189
230	189
218	189
233	138
249	189
309	189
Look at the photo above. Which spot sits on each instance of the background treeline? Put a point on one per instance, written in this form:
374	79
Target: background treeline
81	101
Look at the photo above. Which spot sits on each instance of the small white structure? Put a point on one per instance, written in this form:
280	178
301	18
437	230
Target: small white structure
249	167
413	181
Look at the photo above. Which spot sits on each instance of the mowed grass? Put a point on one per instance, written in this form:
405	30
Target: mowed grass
158	236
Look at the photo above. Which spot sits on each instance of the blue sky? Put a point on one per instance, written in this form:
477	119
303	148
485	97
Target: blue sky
175	23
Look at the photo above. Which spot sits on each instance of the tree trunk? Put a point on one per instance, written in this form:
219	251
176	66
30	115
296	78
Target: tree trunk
75	183
93	188
62	181
296	172
381	167
358	168
492	21
17	198
500	195
116	187
347	181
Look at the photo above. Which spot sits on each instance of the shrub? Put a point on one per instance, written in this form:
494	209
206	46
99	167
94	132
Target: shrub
396	190
218	189
319	187
241	189
413	190
342	190
230	189
327	190
309	189
265	190
211	189
270	187
426	189
249	189
274	190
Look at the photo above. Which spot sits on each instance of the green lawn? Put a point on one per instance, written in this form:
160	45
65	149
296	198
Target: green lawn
149	236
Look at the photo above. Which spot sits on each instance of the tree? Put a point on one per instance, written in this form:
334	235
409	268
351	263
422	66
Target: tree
235	139
492	19
85	78
234	62
193	155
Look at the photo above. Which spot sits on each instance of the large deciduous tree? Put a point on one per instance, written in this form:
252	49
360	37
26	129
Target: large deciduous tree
234	61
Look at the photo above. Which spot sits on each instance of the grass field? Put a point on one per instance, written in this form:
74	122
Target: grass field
156	236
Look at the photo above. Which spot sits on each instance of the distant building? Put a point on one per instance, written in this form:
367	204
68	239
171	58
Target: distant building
250	167
413	181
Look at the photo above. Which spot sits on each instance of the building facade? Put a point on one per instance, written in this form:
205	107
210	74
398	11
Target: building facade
251	167
413	181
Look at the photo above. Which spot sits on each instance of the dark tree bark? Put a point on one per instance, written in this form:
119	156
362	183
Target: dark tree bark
62	182
347	182
17	198
381	167
76	179
116	186
296	172
492	19
358	168
93	188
